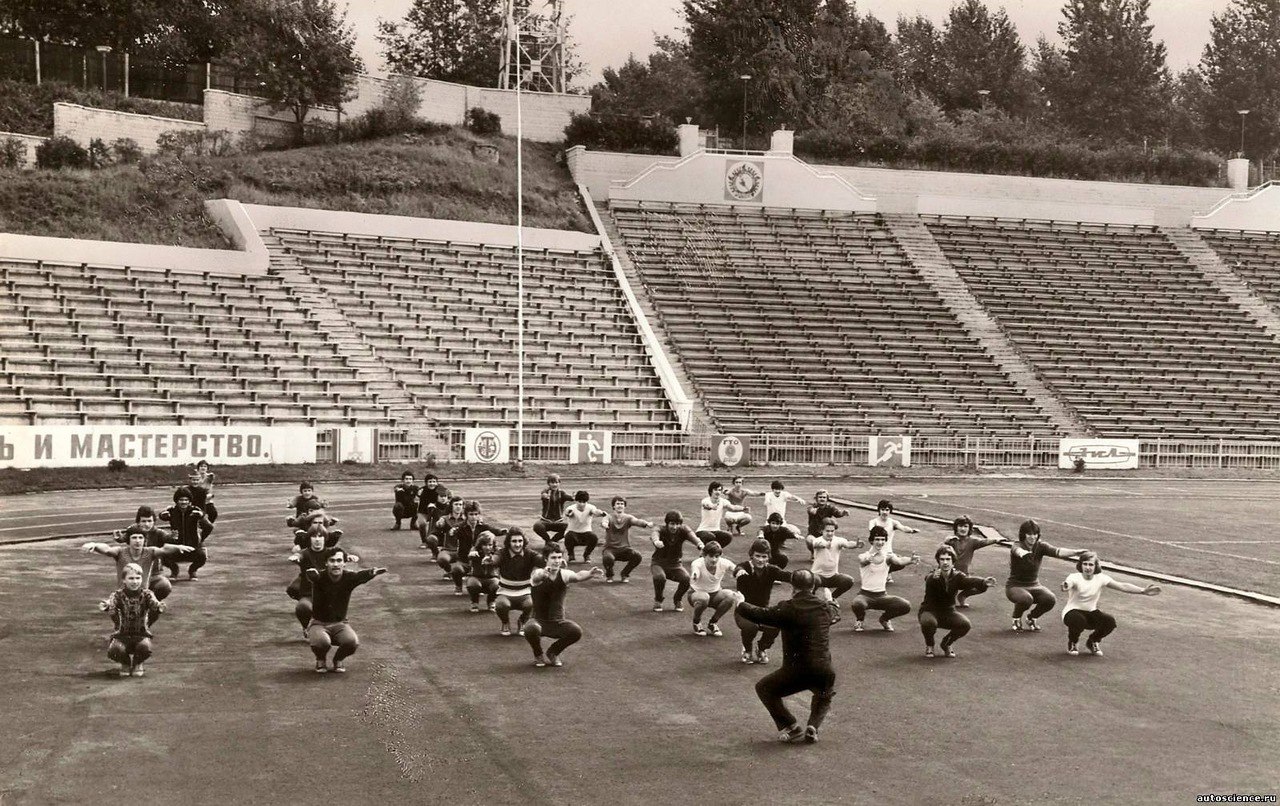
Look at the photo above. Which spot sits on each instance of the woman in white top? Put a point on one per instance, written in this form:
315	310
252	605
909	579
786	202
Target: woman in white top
1084	589
706	592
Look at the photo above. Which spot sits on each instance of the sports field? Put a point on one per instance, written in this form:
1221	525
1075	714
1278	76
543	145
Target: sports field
438	708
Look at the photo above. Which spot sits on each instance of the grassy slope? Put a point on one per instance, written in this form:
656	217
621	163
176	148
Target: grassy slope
28	108
433	176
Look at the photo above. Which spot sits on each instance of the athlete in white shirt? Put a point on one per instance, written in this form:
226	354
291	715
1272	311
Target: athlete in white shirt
738	495
891	525
826	562
580	532
714	507
1084	589
705	575
775	503
876	565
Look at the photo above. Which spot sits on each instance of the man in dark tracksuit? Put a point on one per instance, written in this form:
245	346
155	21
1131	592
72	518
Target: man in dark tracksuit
190	528
805	622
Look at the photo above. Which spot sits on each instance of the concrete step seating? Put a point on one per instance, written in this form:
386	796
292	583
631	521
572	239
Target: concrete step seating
82	341
443	316
801	320
1121	326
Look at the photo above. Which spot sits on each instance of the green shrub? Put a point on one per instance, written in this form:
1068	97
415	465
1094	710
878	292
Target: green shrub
194	143
28	108
631	133
61	152
126	151
483	122
99	154
13	153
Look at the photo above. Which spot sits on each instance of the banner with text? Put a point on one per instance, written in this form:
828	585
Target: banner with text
1112	454
730	450
590	447
889	452
489	446
28	446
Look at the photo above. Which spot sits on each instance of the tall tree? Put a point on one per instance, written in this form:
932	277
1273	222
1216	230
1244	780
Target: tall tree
449	40
1115	84
1241	70
303	53
980	51
664	85
920	56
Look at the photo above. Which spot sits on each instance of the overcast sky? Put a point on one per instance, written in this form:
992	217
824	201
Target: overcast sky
607	30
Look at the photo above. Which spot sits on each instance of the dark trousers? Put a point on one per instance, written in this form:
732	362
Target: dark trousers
630	556
197	558
587	540
890	606
121	649
750	630
566	633
677	575
838	583
719	535
1036	598
788	680
545	529
486	585
1078	621
930	622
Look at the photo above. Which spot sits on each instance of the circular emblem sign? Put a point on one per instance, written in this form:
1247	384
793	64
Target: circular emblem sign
729	451
744	181
487	446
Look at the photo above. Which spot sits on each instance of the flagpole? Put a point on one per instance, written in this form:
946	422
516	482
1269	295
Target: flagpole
519	272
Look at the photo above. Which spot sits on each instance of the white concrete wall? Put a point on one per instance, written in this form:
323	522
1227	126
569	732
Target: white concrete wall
83	124
31	142
264	217
958	193
1258	209
112	253
785	181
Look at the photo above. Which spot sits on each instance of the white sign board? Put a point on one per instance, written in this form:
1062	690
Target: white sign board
1111	454
590	447
28	446
488	445
357	445
889	451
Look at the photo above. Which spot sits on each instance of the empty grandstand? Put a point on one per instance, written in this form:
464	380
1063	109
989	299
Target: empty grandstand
1254	256
1121	325
801	320
442	316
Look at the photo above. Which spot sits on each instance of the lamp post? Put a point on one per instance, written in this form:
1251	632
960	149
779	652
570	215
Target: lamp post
1242	113
104	50
744	78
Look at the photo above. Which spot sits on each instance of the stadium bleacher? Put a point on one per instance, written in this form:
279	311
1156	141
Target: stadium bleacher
801	321
1254	256
442	316
1121	325
113	345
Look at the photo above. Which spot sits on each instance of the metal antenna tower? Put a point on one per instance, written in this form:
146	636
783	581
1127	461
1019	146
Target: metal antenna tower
533	45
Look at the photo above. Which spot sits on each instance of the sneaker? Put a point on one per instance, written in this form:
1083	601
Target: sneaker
698	629
493	608
679	607
857	626
657	607
928	652
810	734
505	632
792	734
962	605
1072	649
191	576
459	592
320	667
715	631
124	670
949	652
540	661
520	629
339	667
138	671
1094	647
624	580
889	579
886	626
475	608
747	657
1017	625
554	660
448	576
762	657
1032	625
423	546
395	528
608	579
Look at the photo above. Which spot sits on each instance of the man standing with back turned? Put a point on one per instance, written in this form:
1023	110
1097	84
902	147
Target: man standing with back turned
805	622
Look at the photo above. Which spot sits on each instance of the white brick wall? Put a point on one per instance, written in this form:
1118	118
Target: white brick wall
30	141
544	115
83	124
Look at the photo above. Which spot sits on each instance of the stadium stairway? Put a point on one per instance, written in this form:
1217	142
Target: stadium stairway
701	419
929	260
1203	257
320	307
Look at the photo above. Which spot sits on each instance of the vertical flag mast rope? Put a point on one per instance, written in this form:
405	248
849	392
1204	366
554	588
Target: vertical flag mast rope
519	279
